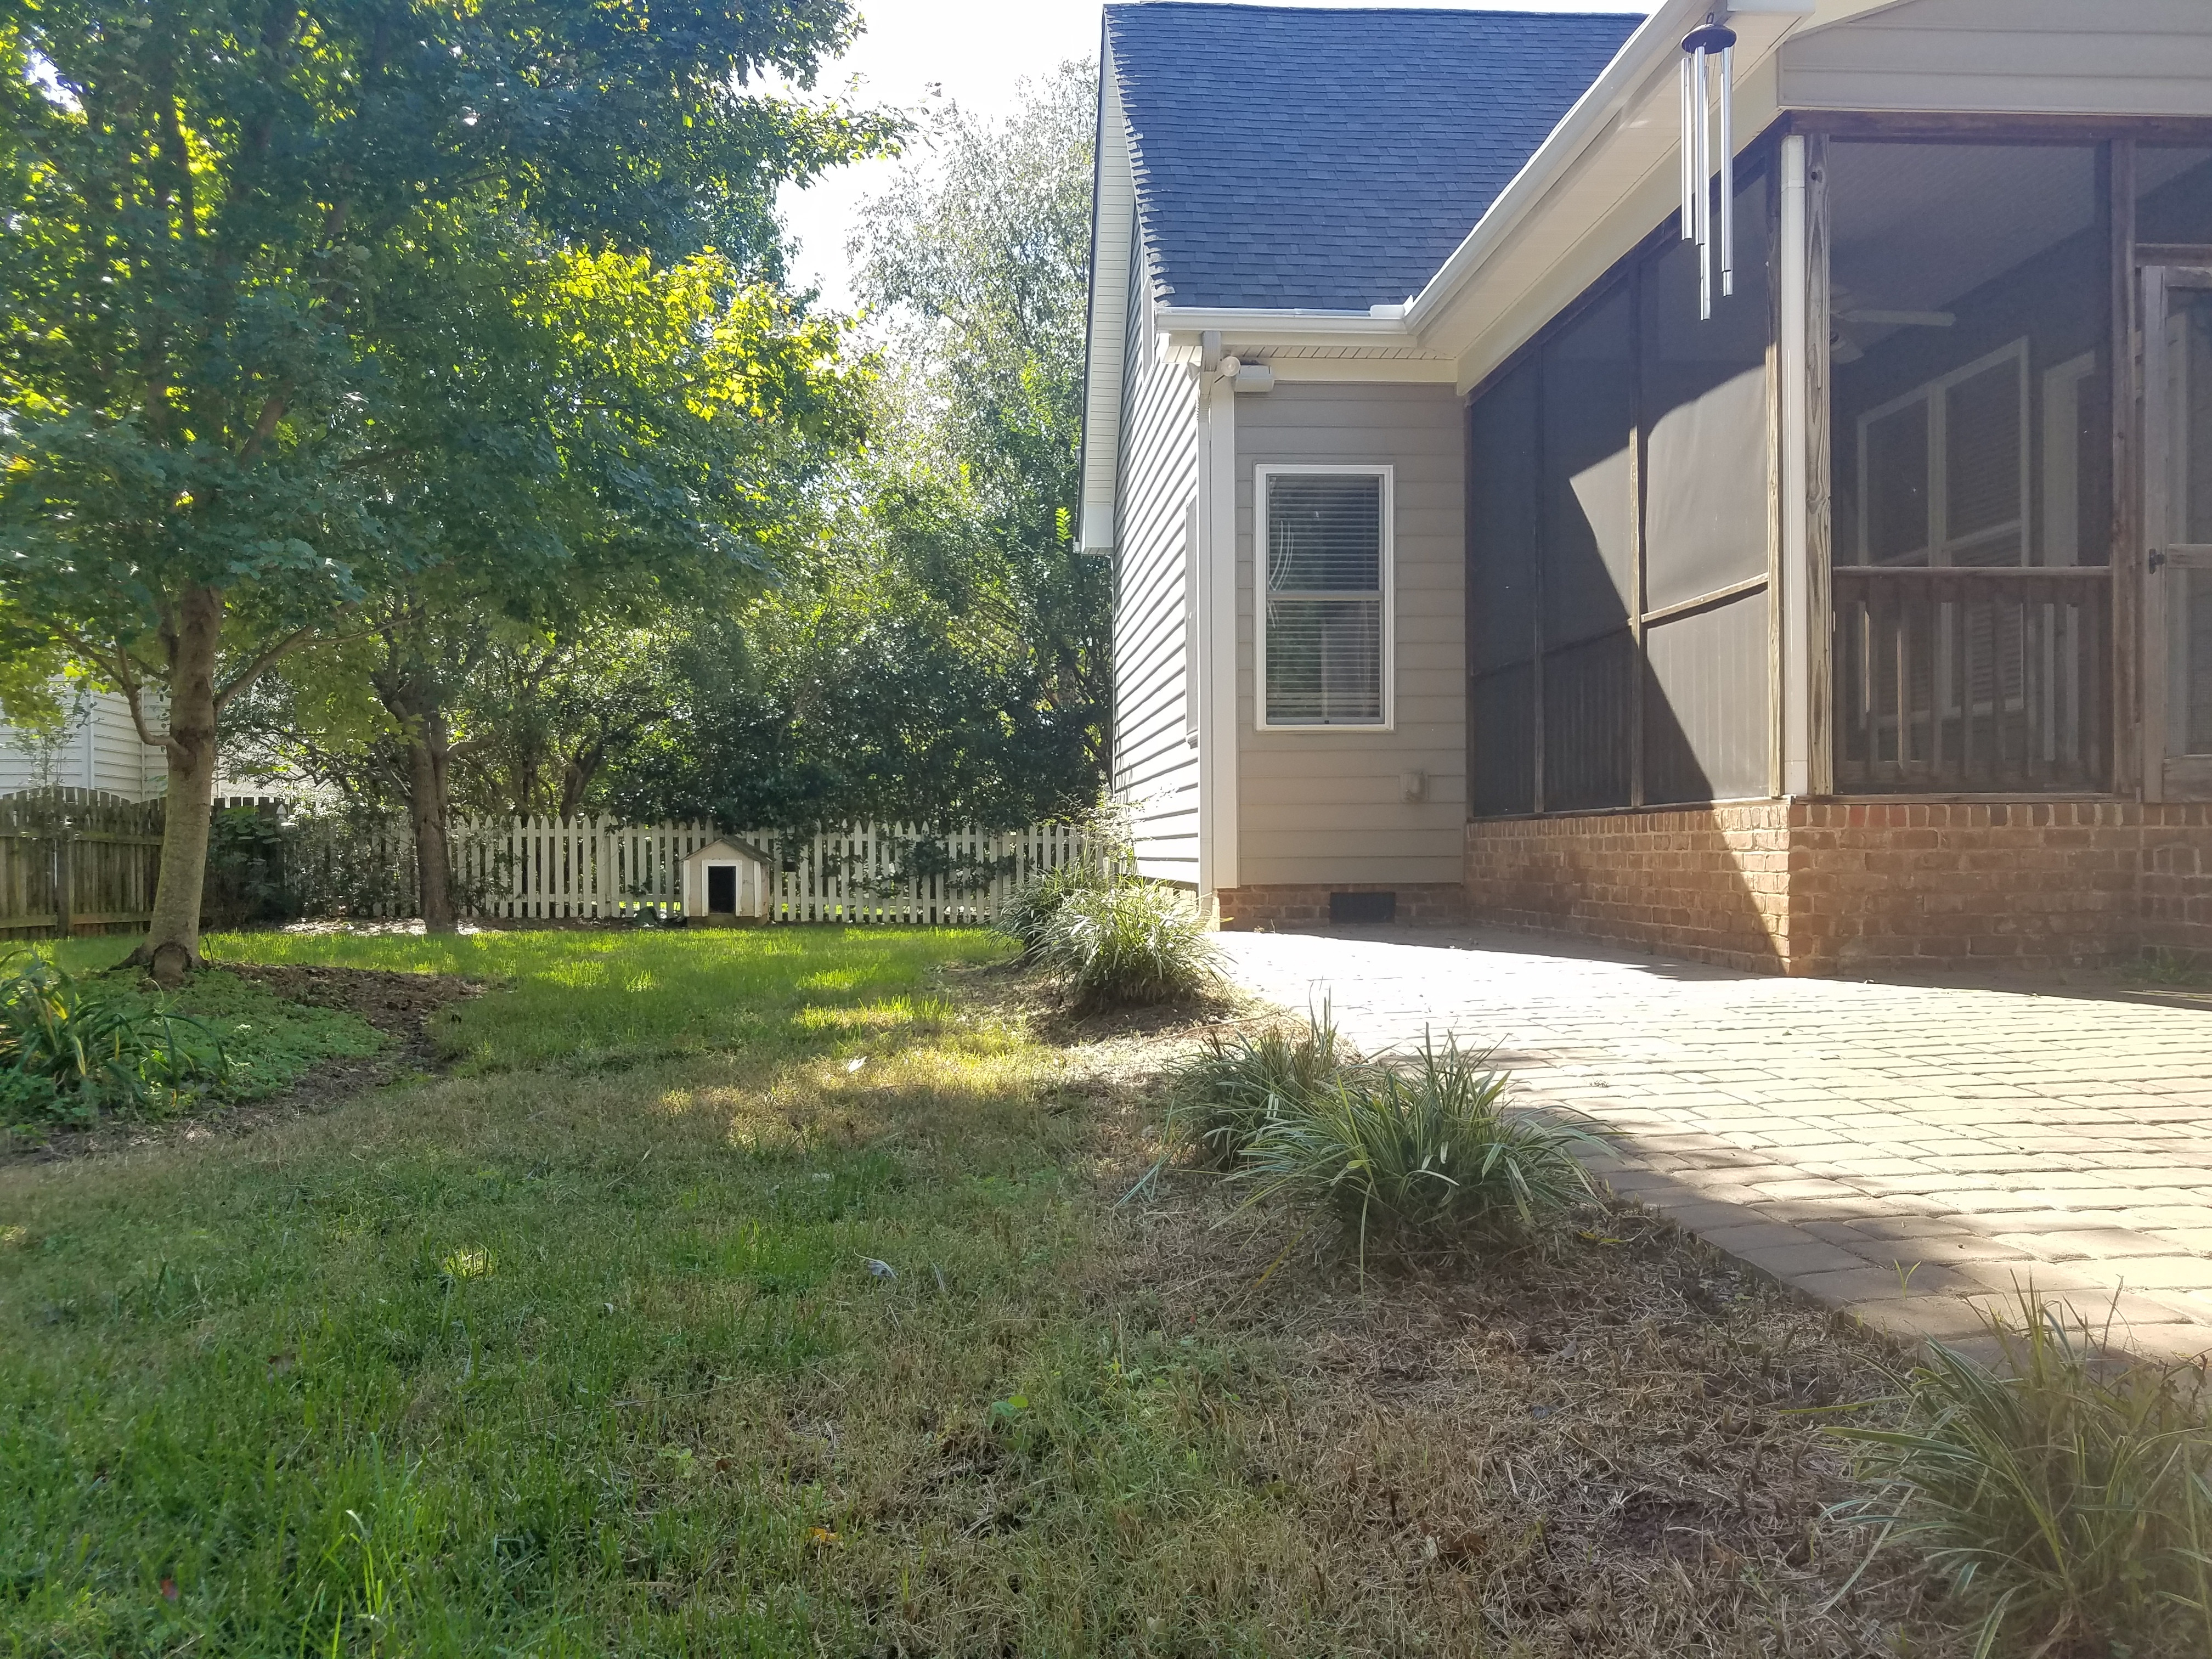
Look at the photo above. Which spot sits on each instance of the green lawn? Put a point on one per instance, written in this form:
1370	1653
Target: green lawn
579	1350
605	1000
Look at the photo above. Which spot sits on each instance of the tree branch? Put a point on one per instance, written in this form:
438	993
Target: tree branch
251	671
116	665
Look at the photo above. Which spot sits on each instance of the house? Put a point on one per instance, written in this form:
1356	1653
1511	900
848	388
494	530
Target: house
97	748
1864	623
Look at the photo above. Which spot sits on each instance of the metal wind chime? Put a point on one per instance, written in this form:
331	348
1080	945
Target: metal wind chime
1699	47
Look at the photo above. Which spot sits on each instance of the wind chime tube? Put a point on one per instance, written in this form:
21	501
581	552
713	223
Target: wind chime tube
1689	169
1704	191
1728	171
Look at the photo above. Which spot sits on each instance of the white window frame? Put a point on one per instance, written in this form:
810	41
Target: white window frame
1261	476
1941	543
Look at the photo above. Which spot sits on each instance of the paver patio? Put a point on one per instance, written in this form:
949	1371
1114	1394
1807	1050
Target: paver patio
1905	1152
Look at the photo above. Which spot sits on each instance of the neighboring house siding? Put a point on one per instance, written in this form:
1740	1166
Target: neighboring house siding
1327	806
100	751
2114	57
1155	764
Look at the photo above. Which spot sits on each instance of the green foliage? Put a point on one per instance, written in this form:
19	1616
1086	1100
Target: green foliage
2067	1500
1418	1153
75	1047
1222	1098
1028	913
1128	943
246	873
327	311
79	1049
2172	969
942	657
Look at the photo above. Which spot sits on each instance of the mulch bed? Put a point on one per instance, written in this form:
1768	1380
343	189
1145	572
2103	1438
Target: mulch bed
401	1005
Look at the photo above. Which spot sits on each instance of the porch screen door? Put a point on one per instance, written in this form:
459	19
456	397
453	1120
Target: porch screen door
2177	529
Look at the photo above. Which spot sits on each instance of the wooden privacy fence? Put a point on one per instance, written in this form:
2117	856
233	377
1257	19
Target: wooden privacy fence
72	860
592	869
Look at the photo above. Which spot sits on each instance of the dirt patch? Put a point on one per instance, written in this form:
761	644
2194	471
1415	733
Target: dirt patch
399	1005
1609	1445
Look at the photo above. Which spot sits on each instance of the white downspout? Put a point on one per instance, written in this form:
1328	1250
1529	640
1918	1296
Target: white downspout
1794	589
1217	550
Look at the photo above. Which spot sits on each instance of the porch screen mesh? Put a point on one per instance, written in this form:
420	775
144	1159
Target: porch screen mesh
1619	527
1324	599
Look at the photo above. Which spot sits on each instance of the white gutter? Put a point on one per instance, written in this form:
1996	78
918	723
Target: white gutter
1288	327
1624	86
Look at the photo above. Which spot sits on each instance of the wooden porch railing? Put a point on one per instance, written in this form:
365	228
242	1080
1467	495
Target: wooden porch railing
1972	681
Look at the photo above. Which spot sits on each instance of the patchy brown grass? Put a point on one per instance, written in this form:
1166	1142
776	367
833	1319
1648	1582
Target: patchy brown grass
1611	1444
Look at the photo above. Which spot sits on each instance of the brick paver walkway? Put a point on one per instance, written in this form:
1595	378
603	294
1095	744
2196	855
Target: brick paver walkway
1904	1151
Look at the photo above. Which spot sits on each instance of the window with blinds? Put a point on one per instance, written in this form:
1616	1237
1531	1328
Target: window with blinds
1943	469
1326	622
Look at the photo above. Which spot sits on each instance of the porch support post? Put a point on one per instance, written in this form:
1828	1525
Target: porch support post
1217	599
1794	589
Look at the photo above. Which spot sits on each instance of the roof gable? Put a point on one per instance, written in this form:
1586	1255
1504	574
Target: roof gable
1293	159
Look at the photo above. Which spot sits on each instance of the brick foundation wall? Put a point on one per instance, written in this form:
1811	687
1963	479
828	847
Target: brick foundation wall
1711	882
1837	887
2176	896
1247	909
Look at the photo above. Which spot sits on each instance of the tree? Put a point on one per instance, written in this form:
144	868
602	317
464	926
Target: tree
980	258
945	654
209	206
610	438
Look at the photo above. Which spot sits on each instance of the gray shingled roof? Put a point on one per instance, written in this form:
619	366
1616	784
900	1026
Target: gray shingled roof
1330	161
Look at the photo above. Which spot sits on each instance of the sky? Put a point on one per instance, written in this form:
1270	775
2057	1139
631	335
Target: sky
974	52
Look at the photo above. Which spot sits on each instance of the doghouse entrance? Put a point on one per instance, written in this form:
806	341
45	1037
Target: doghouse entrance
721	889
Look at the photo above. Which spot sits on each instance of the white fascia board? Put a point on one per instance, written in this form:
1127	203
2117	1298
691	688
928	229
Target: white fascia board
1620	134
1112	208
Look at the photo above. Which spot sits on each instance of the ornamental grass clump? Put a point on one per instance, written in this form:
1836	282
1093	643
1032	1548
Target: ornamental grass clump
1421	1153
1128	944
2067	1499
1028	913
1220	1100
73	1050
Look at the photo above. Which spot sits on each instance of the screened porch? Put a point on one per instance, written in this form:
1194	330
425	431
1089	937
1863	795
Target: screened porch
1978	561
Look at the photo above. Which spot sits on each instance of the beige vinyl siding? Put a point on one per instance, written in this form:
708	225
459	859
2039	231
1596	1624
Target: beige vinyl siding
1328	806
2059	57
1155	766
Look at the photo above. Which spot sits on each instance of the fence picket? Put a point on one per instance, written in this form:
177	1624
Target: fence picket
535	868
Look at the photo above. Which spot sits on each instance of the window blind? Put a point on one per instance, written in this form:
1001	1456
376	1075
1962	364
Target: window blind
1324	602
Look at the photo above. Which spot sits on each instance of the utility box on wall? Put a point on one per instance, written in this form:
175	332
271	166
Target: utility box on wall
726	883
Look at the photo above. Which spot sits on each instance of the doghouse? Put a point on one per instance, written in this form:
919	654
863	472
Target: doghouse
727	885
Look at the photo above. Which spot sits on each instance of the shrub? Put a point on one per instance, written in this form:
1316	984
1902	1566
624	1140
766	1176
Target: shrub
1219	1101
1419	1152
1128	943
72	1047
1028	913
2069	1504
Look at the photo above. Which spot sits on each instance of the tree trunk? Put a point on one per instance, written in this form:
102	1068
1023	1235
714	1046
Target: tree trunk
172	946
427	780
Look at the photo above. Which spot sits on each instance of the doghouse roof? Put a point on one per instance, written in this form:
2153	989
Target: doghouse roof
724	848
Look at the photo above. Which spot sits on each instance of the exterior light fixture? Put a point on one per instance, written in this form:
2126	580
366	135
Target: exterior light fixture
1701	46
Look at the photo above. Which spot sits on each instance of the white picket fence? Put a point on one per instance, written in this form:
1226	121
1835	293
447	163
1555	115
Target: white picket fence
590	869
